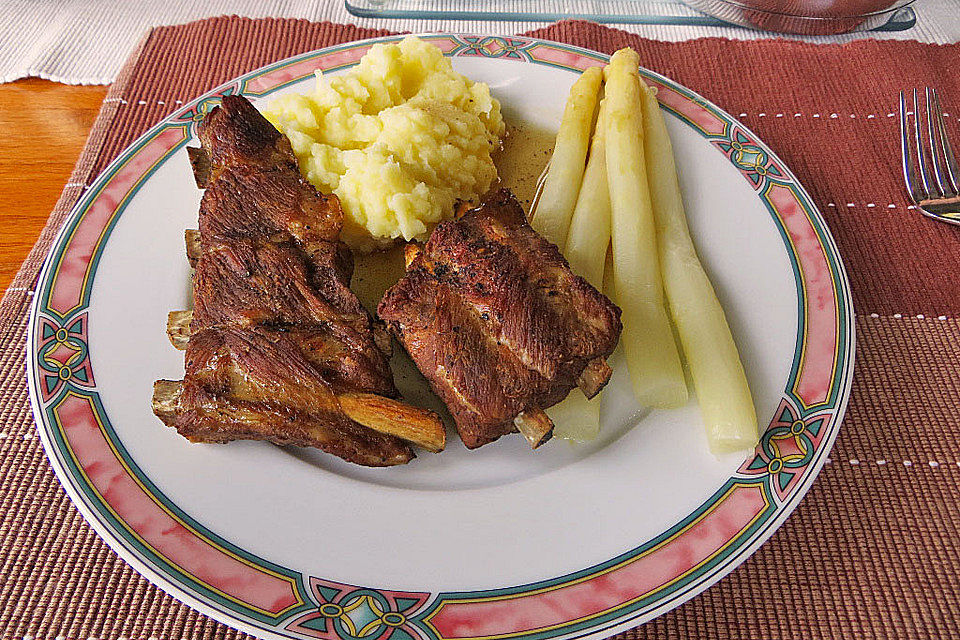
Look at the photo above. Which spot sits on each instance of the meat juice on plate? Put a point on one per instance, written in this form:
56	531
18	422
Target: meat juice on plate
524	151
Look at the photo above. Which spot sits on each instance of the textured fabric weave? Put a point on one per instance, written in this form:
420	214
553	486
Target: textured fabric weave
871	551
86	41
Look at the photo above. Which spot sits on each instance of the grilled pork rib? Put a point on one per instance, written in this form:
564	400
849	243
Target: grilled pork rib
500	326
277	346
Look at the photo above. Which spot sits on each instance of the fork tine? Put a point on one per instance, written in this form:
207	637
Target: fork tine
541	181
949	159
908	177
934	155
921	161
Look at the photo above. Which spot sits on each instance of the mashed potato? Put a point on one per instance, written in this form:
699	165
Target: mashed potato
400	138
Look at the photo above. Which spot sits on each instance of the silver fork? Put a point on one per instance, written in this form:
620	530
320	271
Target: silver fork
934	186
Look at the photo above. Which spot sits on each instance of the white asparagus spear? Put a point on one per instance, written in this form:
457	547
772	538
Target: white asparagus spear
708	346
649	346
556	203
577	418
589	235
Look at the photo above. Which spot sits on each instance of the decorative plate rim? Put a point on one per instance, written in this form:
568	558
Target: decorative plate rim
284	603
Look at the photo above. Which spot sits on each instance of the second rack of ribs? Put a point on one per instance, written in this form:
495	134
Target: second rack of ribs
500	326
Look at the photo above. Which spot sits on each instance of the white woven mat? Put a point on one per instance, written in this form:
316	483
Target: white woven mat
86	41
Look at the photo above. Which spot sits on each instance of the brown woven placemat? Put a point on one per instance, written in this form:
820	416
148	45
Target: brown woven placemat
871	551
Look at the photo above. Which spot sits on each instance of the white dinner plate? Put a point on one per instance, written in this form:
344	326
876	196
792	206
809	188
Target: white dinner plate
569	541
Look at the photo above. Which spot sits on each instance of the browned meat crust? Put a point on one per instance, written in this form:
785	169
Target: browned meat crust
267	384
276	334
235	134
494	318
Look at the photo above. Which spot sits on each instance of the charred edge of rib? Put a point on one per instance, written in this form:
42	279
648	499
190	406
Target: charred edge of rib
179	329
462	208
410	253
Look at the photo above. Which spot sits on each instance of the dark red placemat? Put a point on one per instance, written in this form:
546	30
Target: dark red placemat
871	551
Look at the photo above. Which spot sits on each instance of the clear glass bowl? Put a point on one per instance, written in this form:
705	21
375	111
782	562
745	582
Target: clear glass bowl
896	17
805	17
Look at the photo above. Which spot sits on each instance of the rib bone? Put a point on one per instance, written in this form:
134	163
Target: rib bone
178	328
200	161
594	377
419	426
249	421
535	425
192	239
166	400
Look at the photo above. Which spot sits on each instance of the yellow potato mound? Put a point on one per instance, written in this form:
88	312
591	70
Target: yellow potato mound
399	139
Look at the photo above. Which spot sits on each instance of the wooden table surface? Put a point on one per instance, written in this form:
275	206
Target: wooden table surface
43	126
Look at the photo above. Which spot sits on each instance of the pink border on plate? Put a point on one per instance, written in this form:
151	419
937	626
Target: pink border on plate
569	59
67	289
642	576
817	367
695	113
303	68
155	525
